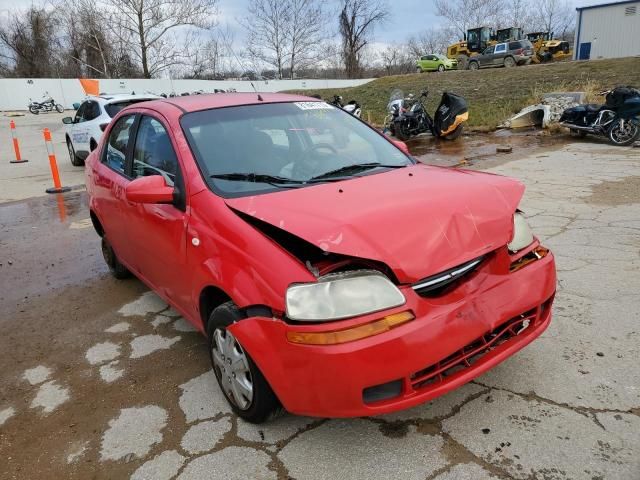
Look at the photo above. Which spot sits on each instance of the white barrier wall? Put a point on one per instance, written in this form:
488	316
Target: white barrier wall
16	92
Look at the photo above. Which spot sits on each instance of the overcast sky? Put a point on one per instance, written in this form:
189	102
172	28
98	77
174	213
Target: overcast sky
407	16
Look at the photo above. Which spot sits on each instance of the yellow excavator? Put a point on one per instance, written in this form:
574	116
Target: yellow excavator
548	49
477	40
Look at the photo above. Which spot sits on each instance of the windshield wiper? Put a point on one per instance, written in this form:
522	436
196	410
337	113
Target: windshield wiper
352	169
258	177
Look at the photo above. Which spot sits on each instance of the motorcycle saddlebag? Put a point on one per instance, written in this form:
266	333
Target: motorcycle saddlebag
573	115
617	96
451	112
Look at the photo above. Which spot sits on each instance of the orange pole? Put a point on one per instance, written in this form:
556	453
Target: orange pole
16	146
57	185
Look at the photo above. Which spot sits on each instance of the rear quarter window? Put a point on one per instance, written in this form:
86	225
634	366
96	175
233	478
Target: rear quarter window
113	108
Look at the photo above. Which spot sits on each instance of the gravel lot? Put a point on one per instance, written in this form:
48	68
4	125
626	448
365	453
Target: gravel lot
100	379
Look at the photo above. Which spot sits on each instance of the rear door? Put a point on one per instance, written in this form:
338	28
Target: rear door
110	180
499	54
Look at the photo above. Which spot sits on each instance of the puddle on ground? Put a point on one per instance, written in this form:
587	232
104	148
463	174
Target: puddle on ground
477	146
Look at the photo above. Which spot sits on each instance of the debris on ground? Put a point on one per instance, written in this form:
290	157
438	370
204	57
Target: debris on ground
504	148
547	112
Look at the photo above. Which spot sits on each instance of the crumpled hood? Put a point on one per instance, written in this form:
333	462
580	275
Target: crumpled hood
418	220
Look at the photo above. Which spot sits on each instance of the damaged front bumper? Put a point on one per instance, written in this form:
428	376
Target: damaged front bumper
455	336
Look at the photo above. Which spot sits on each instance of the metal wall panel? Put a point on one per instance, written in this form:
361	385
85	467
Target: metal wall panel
610	30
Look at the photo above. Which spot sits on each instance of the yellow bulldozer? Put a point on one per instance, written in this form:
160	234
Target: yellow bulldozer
477	40
548	49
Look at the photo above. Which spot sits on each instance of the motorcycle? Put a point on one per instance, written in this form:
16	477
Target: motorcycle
352	107
407	116
47	104
618	119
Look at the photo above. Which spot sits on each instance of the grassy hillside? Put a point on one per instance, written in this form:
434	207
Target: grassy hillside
494	94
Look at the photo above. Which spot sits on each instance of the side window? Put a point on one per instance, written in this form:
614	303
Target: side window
489	50
153	153
116	150
80	113
424	57
92	111
501	48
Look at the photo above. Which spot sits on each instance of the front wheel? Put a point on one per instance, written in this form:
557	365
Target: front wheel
242	383
75	160
59	108
455	134
117	269
33	109
419	70
624	132
441	68
400	131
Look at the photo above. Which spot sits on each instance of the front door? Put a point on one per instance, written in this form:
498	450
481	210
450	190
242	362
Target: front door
158	231
486	58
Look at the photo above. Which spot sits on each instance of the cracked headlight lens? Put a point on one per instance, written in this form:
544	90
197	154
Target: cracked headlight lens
342	295
522	234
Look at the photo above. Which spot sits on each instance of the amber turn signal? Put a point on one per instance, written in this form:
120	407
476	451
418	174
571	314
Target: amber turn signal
351	334
535	254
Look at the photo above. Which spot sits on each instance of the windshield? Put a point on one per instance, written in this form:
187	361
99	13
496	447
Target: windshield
396	94
259	148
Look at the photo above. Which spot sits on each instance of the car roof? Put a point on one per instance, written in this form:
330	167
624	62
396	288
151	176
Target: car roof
194	103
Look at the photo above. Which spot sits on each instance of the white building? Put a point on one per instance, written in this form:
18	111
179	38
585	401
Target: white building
609	30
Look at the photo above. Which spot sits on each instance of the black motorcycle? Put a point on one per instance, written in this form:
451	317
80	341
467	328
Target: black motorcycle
408	116
618	119
47	104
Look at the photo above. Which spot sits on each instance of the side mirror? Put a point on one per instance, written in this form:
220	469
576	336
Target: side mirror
152	189
67	120
76	106
401	145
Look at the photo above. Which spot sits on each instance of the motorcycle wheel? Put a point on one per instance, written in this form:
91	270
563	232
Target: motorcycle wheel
33	109
455	134
400	133
59	108
623	135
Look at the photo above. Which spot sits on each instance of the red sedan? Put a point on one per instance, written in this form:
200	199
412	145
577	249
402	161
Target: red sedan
332	274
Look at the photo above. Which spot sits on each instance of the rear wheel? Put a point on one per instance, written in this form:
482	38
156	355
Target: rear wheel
117	269
624	132
441	68
401	132
473	65
75	160
509	62
419	70
242	383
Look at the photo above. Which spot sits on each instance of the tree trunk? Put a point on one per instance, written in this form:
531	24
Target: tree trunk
143	45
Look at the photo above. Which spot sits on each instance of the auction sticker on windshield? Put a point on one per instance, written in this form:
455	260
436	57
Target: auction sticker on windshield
313	105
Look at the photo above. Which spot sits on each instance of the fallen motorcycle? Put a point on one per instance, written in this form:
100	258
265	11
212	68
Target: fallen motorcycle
47	104
352	107
618	119
407	116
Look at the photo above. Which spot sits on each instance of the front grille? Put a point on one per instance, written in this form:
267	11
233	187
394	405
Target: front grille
468	355
435	284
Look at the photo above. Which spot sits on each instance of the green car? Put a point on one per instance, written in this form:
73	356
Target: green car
435	62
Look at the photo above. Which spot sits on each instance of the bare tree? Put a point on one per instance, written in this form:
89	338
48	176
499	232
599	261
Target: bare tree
266	26
554	16
517	13
397	59
30	43
305	32
357	21
430	41
466	14
149	28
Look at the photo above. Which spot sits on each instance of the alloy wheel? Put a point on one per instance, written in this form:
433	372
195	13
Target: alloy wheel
231	366
623	133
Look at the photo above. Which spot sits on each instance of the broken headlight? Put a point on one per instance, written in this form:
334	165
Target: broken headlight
522	235
342	295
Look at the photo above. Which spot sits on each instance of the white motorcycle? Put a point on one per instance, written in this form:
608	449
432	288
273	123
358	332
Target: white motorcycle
352	107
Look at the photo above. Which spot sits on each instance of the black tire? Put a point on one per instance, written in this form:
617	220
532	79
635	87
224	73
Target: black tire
419	70
509	62
75	160
473	65
400	132
34	110
264	404
623	139
441	68
117	269
455	134
59	108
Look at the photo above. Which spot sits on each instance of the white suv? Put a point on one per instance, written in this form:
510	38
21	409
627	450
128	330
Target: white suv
92	117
